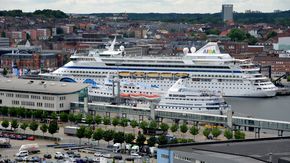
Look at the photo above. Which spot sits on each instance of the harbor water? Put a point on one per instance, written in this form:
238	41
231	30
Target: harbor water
275	108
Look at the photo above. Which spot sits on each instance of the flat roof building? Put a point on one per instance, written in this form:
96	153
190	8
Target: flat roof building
4	42
272	150
40	95
227	12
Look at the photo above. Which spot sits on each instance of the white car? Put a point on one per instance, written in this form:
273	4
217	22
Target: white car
136	155
108	155
22	154
98	154
58	155
20	159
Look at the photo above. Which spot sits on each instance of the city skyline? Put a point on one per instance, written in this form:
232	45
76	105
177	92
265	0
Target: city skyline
142	6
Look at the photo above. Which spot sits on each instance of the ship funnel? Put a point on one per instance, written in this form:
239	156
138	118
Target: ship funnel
210	48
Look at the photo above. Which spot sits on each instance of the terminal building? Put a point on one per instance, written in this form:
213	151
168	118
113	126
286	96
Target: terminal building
274	150
41	95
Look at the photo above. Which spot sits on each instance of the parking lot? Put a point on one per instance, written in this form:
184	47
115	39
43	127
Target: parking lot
86	154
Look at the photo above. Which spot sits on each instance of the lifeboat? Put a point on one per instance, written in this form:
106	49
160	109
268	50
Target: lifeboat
139	74
166	75
152	74
180	75
124	74
125	95
144	96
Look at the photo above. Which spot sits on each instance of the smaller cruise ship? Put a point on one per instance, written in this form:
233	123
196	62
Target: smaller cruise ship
180	97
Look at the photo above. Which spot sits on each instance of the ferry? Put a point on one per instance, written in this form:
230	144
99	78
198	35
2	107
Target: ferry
208	69
180	97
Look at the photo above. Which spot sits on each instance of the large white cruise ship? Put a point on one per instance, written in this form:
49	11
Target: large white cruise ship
208	69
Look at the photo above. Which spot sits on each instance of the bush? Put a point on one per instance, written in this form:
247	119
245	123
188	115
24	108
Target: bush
239	135
228	134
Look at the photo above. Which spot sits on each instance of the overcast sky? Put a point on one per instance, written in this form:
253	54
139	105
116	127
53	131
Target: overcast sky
141	6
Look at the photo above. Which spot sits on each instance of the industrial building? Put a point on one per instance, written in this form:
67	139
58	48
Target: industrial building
274	150
41	95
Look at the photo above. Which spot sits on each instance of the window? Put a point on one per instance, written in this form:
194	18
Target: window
9	94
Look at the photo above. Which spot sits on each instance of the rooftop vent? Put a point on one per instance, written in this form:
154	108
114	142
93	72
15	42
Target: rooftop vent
41	83
30	82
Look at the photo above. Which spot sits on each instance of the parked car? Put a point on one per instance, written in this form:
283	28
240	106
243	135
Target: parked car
98	154
20	159
32	138
118	157
22	154
77	155
108	155
19	137
34	159
58	155
47	155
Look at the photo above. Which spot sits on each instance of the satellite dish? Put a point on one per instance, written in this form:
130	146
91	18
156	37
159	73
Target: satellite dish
185	50
193	49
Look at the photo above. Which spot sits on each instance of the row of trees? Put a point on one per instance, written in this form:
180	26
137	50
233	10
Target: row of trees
52	128
121	137
46	13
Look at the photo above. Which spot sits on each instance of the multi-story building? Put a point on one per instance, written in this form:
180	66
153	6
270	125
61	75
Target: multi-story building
41	95
227	12
43	34
4	42
32	61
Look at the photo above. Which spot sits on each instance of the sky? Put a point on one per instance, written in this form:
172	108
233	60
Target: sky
144	6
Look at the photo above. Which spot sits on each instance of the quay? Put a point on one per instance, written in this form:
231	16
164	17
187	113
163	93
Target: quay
233	122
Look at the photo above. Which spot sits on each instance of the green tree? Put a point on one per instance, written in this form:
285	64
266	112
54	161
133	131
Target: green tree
140	140
53	127
237	35
251	40
164	127
89	119
14	124
206	132
3	34
28	36
44	128
271	34
108	135
81	133
153	125
143	125
213	32
183	128
23	126
119	137
228	134
63	117
239	135
78	117
162	140
194	131
98	134
174	128
151	141
216	132
53	116
33	126
124	123
134	124
107	121
5	72
98	119
115	121
71	118
44	114
129	138
5	124
88	133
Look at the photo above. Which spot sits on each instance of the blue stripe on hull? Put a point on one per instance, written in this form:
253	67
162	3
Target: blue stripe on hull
141	69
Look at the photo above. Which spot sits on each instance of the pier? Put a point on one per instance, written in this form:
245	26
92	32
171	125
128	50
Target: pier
233	122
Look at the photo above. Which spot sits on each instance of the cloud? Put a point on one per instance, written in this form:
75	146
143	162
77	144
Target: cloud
179	6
